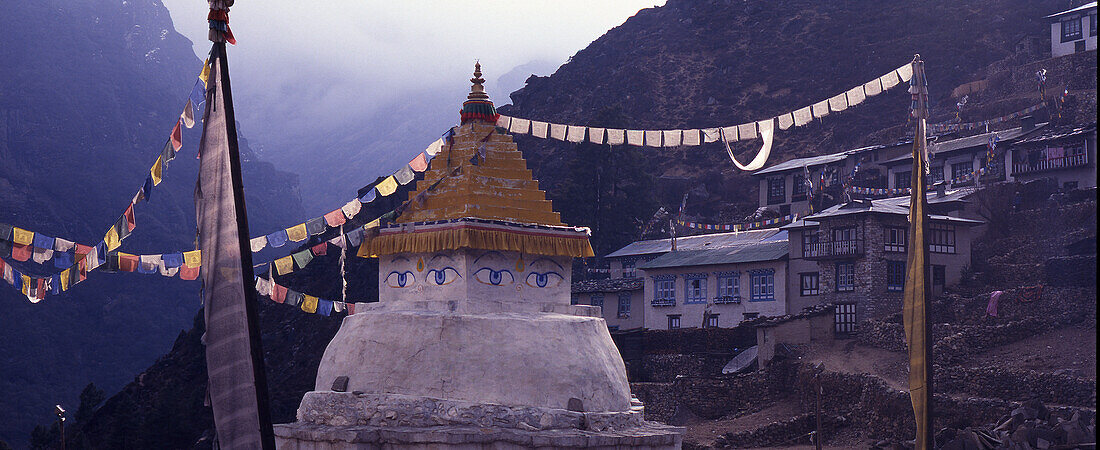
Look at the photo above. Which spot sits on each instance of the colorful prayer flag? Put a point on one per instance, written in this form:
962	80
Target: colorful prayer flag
297	233
387	186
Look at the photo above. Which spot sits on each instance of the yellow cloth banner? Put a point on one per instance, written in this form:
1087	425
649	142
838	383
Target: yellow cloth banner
309	305
915	298
433	241
387	186
65	279
192	258
205	74
111	239
284	265
297	233
27	285
155	171
372	224
21	236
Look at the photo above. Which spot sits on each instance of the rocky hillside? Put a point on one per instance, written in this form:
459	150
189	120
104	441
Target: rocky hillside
90	92
693	64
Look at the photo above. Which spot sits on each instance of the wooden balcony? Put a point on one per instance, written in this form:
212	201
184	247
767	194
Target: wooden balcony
832	249
1063	162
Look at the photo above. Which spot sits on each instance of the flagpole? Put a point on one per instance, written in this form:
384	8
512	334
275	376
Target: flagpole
267	434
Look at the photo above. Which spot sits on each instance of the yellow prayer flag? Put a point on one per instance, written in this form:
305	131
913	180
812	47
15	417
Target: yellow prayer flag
26	285
21	236
155	171
297	233
309	305
373	224
65	279
111	239
915	297
193	258
284	265
387	186
205	74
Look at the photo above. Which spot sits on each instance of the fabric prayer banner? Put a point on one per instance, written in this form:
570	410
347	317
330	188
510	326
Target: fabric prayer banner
127	262
335	218
634	137
129	215
802	116
198	94
42	241
5	232
172	260
821	109
188	273
41	255
905	73
188	115
263	286
519	126
177	136
62	260
324	307
653	138
873	87
278	293
350	209
691	137
337	241
712	134
762	156
156	171
539	129
387	186
64	279
372	224
369	196
296	233
746	131
284	265
435	147
111	239
192	258
889	80
168	153
148	263
615	136
419	163
257	244
277	239
855	95
915	294
504	121
785	121
728	134
320	249
303	258
404	175
293	298
168	271
672	138
22	237
309	304
838	103
315	226
595	135
557	131
575	134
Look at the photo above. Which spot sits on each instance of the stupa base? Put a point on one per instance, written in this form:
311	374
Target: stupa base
304	436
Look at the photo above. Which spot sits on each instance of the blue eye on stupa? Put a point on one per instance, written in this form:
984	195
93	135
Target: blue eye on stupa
492	277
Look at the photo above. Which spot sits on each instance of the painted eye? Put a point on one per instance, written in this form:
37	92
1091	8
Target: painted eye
400	280
542	280
486	275
444	276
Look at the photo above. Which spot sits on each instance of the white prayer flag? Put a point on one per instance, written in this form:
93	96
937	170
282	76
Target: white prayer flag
504	121
872	88
520	126
595	135
855	95
615	137
762	156
41	255
889	80
905	72
729	133
634	137
538	129
802	116
785	121
557	131
711	134
821	109
351	208
838	103
436	146
258	244
576	134
62	245
746	131
691	137
652	138
672	138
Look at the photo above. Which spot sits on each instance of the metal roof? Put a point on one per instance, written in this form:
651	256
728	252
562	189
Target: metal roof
1073	10
977	140
799	163
1059	133
698	242
896	206
607	285
760	251
801	223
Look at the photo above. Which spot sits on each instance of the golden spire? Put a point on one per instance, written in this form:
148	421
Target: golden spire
477	91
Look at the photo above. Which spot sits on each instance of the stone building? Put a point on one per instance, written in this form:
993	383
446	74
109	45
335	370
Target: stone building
473	342
620	300
853	255
1066	154
1073	30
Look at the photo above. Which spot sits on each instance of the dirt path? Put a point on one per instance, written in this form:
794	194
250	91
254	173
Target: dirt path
704	432
1071	348
849	357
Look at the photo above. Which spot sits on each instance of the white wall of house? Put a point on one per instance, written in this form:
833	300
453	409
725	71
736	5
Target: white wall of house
1061	45
613	312
729	314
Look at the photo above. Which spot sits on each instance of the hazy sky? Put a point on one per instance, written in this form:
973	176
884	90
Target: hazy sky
303	66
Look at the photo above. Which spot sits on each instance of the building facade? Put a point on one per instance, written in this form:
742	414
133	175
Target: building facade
620	299
1066	154
1073	30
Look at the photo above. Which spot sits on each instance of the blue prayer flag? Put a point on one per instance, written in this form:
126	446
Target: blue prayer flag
277	239
369	196
198	96
55	284
324	307
43	241
62	260
172	260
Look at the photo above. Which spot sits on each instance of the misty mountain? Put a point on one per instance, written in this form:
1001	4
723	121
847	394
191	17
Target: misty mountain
91	90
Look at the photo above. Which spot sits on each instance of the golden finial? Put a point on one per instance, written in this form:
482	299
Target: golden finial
477	91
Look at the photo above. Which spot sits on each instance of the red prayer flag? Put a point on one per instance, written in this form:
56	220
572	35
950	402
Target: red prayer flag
229	36
420	163
177	135
127	262
278	293
82	251
321	249
21	252
130	222
82	267
351	308
335	218
188	273
40	293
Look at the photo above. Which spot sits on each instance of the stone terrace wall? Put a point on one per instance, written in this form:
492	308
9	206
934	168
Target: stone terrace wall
1018	385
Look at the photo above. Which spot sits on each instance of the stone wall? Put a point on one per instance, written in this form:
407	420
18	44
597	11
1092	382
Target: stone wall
1071	270
716	397
1018	385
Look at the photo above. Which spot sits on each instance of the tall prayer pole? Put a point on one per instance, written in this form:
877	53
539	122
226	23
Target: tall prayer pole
918	325
234	353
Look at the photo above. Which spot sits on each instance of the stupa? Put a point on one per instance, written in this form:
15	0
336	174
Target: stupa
473	343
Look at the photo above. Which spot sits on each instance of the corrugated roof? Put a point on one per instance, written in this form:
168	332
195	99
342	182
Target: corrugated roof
698	242
760	251
799	163
1059	133
1086	6
977	140
801	223
607	285
896	205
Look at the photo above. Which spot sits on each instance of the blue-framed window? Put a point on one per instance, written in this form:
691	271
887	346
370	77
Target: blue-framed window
629	268
664	290
673	321
762	285
695	288
596	300
895	276
729	287
624	305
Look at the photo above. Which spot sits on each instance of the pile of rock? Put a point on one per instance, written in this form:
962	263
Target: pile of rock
1030	426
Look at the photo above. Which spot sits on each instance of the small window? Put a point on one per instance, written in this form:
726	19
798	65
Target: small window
729	287
712	321
596	300
902	180
961	170
777	190
810	247
810	282
624	305
842	234
897	239
762	284
941	238
799	188
845	318
664	292
845	276
673	321
695	289
935	175
1071	29
895	276
629	269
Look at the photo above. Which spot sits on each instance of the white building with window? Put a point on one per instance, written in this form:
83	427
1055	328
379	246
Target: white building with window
1073	30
